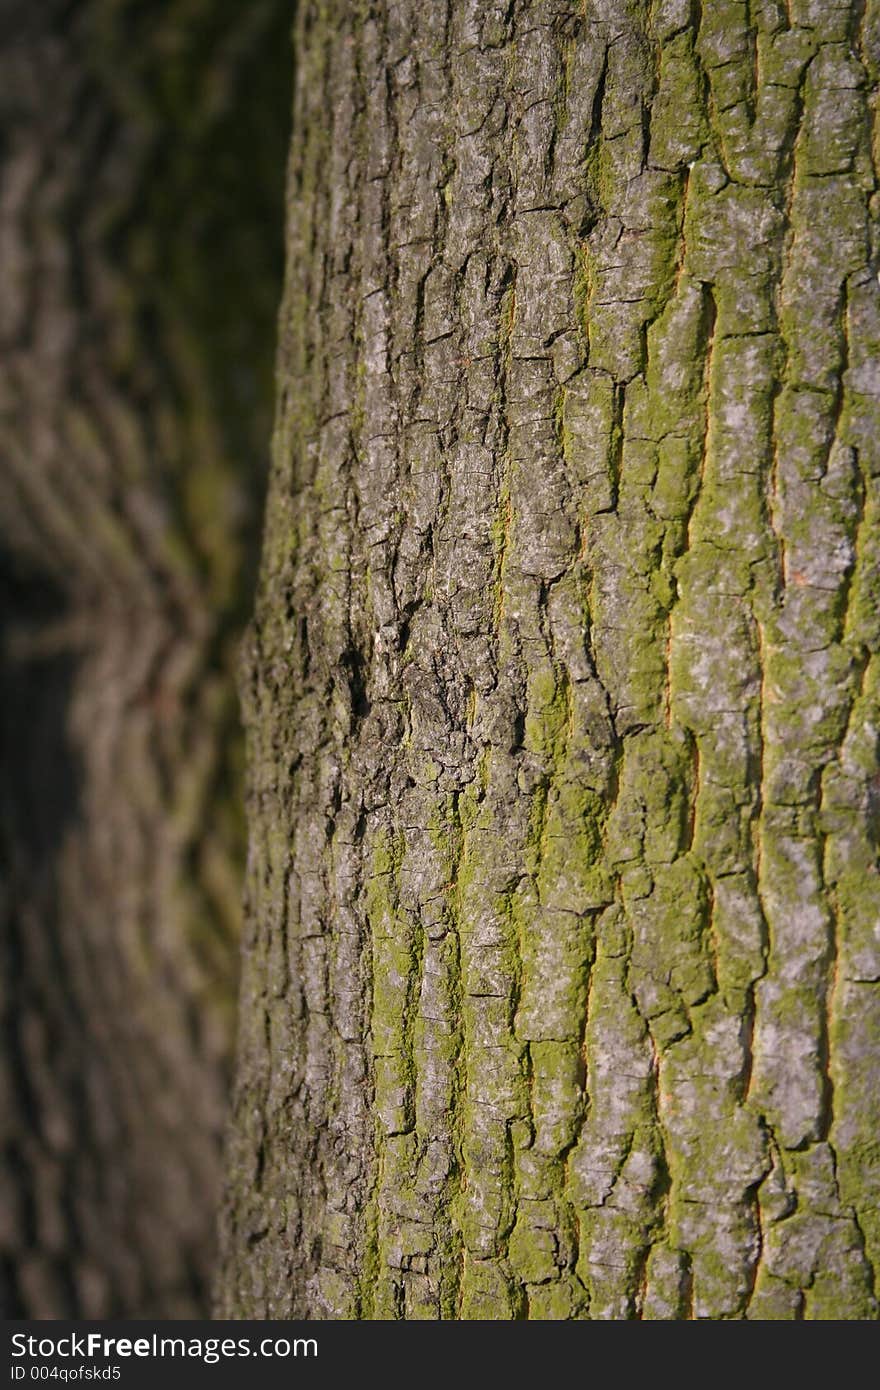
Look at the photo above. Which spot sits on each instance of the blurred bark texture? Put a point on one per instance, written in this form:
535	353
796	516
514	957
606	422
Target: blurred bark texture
141	190
561	979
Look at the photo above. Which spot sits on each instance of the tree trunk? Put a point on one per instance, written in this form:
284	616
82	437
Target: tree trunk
140	191
561	973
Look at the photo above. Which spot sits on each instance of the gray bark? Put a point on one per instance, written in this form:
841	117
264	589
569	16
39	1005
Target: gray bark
561	965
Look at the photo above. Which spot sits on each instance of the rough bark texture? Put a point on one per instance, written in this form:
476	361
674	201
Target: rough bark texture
561	976
140	196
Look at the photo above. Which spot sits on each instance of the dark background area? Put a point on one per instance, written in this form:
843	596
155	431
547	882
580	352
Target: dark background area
142	156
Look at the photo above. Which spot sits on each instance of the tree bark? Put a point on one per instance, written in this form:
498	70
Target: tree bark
561	964
140	196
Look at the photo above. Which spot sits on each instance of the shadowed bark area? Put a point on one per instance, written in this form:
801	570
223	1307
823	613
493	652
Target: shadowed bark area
561	948
141	190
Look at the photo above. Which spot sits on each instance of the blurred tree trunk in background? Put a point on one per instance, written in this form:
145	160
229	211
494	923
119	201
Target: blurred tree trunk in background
561	979
141	195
